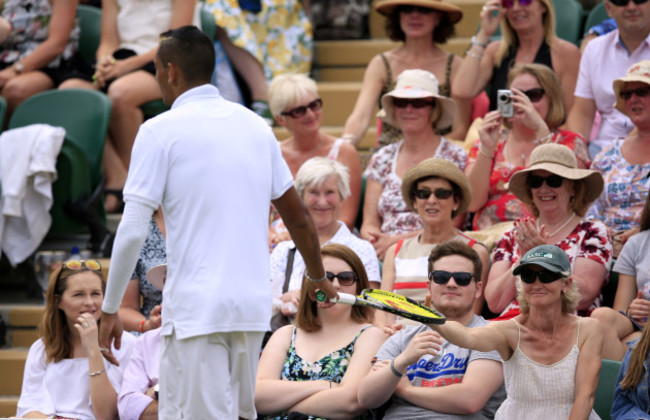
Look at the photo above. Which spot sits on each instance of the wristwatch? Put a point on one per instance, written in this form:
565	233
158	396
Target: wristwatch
155	390
19	67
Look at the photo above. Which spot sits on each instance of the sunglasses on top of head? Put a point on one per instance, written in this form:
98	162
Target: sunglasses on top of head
74	265
346	278
622	3
300	111
408	8
641	92
439	193
545	276
507	4
415	103
442	277
553	181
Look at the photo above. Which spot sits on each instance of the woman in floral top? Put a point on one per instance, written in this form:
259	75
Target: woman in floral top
315	367
499	153
558	195
418	110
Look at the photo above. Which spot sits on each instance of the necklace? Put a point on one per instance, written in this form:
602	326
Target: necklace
560	228
535	142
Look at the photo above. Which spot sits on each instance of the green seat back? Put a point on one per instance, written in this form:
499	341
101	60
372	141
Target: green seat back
3	112
605	391
595	16
90	23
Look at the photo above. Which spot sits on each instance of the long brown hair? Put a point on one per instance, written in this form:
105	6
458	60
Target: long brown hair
307	316
635	369
53	328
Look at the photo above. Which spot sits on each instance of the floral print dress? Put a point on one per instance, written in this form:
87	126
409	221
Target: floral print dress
153	253
332	367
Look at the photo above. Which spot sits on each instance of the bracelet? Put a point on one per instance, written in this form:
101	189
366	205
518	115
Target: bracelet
142	325
330	384
350	138
315	280
392	368
99	372
474	41
472	54
482	151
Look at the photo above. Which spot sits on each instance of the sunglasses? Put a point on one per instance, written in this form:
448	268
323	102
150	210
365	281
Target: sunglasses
78	264
553	181
626	2
346	278
442	277
641	92
415	103
529	276
410	9
507	4
300	111
535	94
440	193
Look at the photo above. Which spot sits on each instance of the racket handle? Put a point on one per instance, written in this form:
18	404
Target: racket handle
343	298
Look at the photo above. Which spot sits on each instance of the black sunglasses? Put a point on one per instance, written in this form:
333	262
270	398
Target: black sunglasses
625	2
346	278
545	276
535	94
442	277
415	103
641	92
299	111
440	193
507	4
410	9
553	181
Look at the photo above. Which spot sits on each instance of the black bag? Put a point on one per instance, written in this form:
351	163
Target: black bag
278	320
340	19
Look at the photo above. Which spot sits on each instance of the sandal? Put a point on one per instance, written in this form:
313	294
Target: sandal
119	208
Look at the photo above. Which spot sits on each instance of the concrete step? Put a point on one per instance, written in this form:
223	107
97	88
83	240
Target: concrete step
12	365
8	405
22	324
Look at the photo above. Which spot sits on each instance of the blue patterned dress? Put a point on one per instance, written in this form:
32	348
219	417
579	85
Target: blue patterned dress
153	253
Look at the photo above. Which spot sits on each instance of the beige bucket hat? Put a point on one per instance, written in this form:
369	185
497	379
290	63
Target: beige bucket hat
639	72
454	13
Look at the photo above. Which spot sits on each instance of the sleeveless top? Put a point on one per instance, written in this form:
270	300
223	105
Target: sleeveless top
411	266
331	367
390	133
538	391
499	78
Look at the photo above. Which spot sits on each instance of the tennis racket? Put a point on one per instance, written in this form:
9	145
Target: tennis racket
389	302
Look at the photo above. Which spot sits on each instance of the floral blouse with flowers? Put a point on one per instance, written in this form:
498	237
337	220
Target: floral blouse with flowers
502	205
589	239
396	217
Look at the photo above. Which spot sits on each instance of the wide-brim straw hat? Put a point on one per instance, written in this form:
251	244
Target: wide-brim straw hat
441	168
559	160
156	275
639	72
414	84
454	13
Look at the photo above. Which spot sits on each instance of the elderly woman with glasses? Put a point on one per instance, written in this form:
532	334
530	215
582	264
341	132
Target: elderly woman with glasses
421	26
417	108
505	142
315	367
295	104
551	358
558	194
65	373
527	36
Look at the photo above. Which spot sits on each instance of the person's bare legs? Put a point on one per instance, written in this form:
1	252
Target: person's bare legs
23	86
617	329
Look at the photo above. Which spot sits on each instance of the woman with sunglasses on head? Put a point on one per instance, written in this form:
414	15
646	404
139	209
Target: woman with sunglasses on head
551	358
558	194
437	191
295	105
416	107
527	36
315	367
66	375
625	164
505	143
421	26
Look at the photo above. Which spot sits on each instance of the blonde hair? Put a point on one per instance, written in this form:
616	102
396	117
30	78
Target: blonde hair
509	36
636	370
289	88
552	88
570	298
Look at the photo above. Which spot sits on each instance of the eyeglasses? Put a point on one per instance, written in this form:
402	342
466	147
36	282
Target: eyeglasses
641	92
440	193
410	9
442	277
545	276
553	181
415	103
507	4
535	94
626	2
300	111
346	278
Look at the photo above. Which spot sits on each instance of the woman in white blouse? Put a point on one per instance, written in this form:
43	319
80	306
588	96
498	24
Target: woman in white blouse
65	373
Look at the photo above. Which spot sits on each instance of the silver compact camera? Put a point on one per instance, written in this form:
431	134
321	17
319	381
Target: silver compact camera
504	103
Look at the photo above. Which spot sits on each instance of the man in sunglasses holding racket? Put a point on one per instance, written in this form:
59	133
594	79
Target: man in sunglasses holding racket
426	376
215	167
605	59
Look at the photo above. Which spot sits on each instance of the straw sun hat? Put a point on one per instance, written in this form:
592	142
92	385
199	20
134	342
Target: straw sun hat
442	169
559	160
413	84
639	72
454	13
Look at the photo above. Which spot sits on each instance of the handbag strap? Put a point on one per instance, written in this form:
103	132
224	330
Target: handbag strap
287	272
